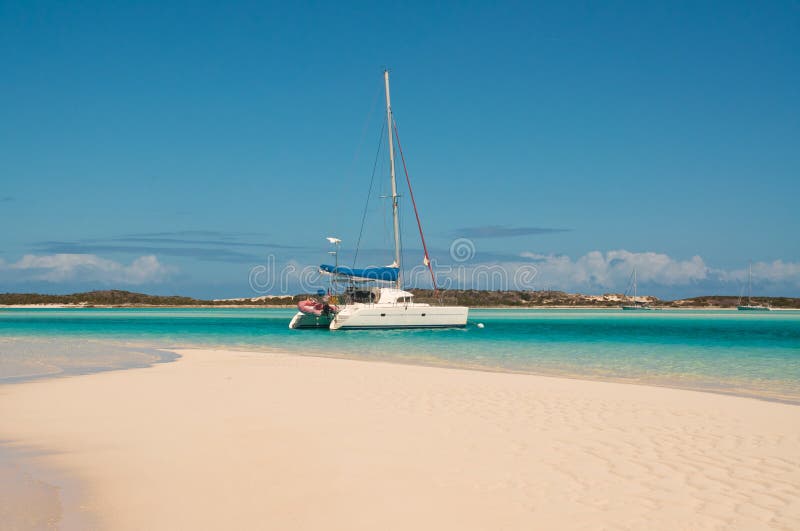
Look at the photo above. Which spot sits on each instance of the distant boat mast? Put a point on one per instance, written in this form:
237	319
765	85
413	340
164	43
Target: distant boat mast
750	306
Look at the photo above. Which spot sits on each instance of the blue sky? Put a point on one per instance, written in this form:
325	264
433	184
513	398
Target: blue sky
172	148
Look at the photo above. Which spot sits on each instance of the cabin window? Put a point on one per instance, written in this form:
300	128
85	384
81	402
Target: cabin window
363	296
383	315
423	315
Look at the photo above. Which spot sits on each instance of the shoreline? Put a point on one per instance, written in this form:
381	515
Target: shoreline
167	353
293	307
713	388
128	355
449	443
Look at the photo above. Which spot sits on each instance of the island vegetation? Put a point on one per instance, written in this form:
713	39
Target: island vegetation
471	298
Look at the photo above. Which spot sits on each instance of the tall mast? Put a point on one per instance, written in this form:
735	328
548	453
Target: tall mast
749	281
395	213
634	286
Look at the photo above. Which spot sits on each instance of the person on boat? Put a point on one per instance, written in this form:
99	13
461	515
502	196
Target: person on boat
327	309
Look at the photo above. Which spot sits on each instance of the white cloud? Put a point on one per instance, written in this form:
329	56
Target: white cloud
610	271
775	272
613	268
88	267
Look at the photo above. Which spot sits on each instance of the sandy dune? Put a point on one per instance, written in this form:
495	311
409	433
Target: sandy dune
223	440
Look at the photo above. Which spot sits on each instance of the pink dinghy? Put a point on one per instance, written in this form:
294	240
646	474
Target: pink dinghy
312	307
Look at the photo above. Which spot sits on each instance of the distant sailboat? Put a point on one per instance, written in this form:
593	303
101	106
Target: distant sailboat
635	305
750	307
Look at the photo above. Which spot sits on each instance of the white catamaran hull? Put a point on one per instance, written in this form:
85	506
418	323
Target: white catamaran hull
376	316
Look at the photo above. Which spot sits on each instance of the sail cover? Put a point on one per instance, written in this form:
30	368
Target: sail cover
387	274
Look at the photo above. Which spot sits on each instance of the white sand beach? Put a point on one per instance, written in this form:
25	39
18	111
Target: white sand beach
238	440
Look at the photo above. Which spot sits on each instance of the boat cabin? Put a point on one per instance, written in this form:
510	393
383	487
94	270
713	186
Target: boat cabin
364	295
395	296
373	295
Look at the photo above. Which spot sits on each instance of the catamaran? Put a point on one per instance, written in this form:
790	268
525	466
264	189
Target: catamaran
636	305
374	297
750	307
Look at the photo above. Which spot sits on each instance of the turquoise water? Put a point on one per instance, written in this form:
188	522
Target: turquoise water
754	354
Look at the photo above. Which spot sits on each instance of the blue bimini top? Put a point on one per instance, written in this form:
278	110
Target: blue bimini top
386	274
